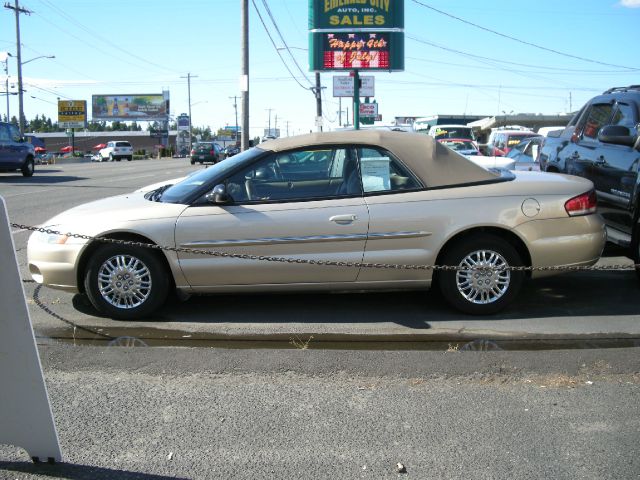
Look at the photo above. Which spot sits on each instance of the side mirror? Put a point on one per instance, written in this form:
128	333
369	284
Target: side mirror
617	135
218	195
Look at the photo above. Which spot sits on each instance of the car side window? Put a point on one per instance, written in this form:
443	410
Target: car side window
624	116
296	176
4	133
382	173
596	118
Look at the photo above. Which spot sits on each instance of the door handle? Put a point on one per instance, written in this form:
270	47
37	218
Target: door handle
575	155
600	160
343	219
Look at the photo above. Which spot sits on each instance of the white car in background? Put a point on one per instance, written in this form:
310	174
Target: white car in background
469	149
116	150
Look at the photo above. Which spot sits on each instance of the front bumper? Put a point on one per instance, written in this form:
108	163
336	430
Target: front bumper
54	265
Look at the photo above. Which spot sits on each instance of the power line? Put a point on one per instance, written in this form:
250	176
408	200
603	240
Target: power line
93	34
524	42
276	48
284	42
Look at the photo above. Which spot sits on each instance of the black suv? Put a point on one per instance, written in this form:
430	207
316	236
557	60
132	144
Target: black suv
601	143
16	153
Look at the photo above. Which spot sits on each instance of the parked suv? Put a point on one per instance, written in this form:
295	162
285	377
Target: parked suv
601	143
116	150
16	153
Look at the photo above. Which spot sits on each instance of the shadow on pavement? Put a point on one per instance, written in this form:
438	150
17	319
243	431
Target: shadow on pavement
78	472
580	294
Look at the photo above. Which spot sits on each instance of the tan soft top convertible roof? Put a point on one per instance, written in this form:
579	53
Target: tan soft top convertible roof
434	163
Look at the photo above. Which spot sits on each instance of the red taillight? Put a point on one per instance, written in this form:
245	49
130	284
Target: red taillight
193	152
212	152
582	204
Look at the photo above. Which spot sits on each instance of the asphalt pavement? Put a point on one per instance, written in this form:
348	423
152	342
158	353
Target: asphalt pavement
156	413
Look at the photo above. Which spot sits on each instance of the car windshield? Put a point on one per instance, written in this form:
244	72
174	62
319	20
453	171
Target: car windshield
123	144
458	145
182	191
453	132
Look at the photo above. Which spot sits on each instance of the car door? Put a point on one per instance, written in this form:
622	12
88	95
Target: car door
397	220
5	151
579	156
615	172
308	211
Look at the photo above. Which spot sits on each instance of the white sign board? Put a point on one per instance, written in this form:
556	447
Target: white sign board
368	109
26	419
343	86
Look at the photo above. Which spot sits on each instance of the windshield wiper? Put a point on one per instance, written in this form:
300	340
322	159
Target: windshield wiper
156	195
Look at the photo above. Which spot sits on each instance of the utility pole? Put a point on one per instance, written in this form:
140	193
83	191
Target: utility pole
235	107
244	76
318	93
16	8
189	77
269	130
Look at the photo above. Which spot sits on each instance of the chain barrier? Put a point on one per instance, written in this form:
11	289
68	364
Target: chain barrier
330	263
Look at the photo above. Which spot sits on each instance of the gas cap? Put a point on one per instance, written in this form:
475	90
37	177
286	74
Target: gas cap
530	207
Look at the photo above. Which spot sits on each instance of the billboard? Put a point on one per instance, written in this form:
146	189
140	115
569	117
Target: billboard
72	113
135	107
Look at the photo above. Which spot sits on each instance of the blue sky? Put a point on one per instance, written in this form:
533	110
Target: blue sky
461	56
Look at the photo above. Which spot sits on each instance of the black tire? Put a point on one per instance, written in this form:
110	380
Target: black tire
481	292
110	157
129	159
193	162
28	168
126	282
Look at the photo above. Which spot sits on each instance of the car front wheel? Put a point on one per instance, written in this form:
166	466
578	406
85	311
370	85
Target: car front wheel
126	282
483	284
28	168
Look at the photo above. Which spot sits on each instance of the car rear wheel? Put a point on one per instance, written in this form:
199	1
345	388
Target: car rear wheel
126	282
485	286
28	168
111	157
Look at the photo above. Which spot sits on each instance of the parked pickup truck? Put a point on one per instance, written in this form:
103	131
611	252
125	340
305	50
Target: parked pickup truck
601	143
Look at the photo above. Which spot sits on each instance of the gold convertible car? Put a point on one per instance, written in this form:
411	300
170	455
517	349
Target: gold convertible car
338	211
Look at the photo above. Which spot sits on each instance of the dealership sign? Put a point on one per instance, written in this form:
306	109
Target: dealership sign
343	86
72	113
355	14
130	107
356	35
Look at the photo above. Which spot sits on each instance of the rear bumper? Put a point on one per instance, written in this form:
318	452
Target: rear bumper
564	242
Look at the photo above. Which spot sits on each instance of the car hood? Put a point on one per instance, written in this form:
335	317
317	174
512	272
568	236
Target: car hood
114	213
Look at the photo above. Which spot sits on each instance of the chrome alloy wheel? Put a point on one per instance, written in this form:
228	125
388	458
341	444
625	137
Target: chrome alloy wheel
486	284
124	281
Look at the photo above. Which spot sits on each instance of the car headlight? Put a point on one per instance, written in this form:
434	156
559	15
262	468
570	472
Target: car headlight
56	238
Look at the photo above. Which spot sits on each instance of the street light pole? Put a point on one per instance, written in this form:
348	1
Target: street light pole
6	83
189	77
16	8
